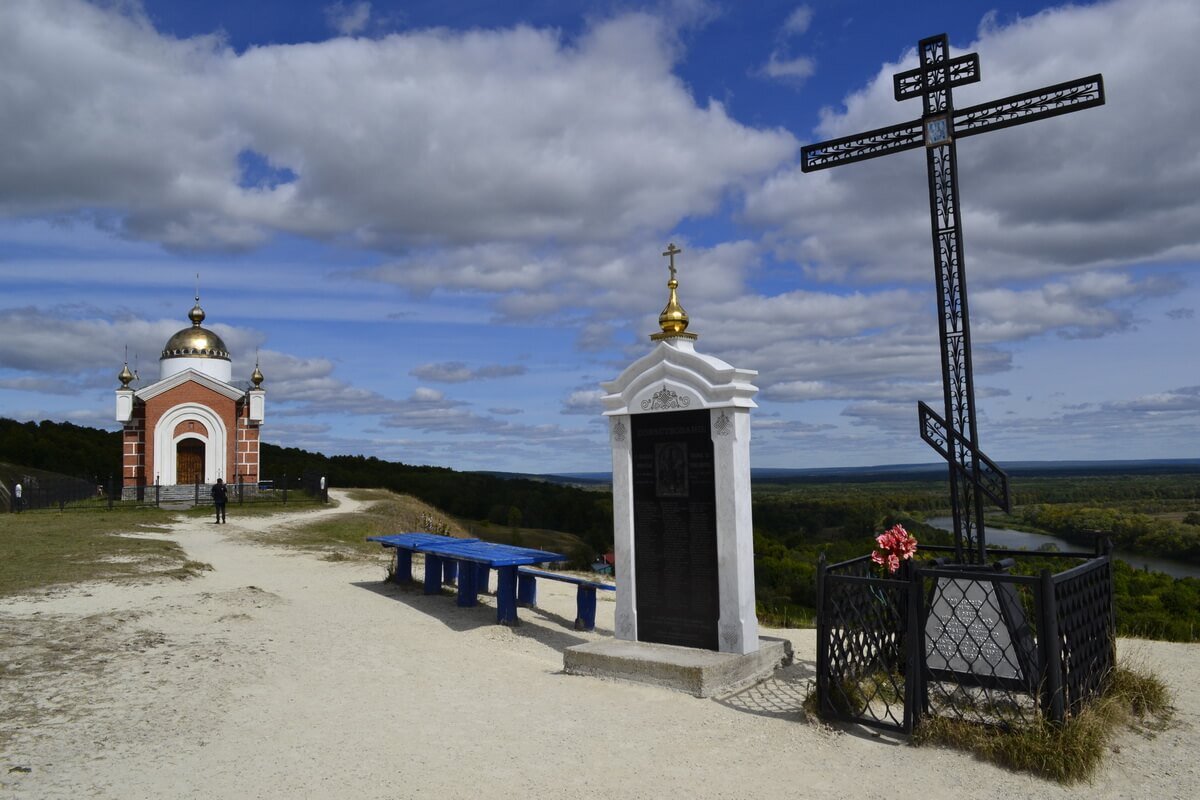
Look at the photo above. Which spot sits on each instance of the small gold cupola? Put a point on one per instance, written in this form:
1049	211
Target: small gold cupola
256	377
673	320
125	377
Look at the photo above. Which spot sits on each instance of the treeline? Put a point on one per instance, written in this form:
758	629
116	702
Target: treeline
1129	530
469	495
1148	491
94	454
88	453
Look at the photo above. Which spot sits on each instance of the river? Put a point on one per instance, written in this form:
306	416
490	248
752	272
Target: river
1004	537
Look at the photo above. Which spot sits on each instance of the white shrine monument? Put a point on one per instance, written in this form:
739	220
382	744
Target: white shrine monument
679	426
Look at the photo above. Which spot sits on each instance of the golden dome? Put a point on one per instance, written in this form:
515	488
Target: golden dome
673	320
125	377
196	342
256	377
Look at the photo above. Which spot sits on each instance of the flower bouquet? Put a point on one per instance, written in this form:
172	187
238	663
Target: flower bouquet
895	545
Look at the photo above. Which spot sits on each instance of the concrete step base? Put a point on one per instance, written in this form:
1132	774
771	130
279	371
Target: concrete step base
703	673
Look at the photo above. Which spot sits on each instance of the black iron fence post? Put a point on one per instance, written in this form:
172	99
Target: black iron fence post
1105	545
156	490
111	490
823	701
241	488
914	675
1050	647
196	501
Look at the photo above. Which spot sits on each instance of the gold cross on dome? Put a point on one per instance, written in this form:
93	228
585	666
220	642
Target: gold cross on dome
672	251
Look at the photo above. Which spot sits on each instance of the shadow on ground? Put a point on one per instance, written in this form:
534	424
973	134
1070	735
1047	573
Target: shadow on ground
444	608
780	696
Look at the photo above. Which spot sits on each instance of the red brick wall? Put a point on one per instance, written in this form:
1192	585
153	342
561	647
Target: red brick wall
190	426
133	448
191	392
248	466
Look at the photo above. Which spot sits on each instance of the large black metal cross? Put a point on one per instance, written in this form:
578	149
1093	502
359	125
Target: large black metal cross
972	474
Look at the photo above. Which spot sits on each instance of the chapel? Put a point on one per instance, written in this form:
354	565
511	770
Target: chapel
193	425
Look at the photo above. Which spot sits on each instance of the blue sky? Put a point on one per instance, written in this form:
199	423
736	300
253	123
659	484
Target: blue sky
439	224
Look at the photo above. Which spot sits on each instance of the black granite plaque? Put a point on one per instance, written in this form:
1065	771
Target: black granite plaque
675	529
977	628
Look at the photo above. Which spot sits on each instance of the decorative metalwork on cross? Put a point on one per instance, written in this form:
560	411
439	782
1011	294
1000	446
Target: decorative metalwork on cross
972	474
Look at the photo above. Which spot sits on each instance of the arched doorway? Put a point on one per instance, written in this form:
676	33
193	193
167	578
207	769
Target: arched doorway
189	461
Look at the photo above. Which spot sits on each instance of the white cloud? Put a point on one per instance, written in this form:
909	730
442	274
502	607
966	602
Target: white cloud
1096	189
348	19
798	21
793	69
418	137
459	372
584	401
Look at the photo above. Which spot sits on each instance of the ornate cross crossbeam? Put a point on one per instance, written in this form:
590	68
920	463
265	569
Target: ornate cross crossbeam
972	474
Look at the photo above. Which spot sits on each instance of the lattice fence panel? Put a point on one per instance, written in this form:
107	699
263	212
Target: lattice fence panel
1085	622
864	681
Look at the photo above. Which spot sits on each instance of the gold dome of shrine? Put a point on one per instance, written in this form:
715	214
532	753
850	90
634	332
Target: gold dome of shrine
196	341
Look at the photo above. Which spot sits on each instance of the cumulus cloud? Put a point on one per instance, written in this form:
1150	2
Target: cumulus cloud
459	372
348	19
460	137
583	401
1061	195
781	64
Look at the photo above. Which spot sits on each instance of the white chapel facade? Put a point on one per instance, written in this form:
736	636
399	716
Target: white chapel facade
193	425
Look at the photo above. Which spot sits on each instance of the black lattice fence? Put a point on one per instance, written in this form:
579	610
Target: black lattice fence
989	644
862	654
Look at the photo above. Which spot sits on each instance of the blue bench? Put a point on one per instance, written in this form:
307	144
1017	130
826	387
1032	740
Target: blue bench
585	595
471	561
408	543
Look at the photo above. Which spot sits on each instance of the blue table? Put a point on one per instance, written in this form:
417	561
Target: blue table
476	558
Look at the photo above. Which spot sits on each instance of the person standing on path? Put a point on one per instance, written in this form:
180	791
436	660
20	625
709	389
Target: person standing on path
220	496
18	502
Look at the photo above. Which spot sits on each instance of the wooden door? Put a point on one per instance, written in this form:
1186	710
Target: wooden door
189	461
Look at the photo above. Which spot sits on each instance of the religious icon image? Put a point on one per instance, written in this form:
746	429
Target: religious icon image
671	469
936	132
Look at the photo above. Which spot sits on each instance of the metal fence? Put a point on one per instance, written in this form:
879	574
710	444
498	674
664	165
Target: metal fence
71	494
39	493
983	644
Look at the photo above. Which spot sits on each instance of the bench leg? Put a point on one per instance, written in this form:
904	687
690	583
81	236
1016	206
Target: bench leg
482	574
403	573
526	590
449	571
506	595
433	573
467	593
585	608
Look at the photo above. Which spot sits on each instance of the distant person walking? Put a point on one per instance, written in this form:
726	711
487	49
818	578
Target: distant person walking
18	500
220	495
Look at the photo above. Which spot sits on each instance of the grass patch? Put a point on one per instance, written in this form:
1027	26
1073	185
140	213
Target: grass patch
784	614
43	549
297	501
341	537
1069	753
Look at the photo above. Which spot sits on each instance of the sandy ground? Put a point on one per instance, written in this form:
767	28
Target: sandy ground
279	675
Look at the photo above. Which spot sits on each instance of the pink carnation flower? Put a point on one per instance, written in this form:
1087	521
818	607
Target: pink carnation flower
895	544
